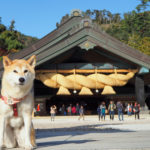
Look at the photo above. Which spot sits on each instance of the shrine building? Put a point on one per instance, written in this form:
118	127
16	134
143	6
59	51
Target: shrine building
79	63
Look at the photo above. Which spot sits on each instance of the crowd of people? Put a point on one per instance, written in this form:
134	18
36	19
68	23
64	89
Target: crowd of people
130	109
102	110
70	110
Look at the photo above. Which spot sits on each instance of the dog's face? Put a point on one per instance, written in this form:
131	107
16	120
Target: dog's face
19	72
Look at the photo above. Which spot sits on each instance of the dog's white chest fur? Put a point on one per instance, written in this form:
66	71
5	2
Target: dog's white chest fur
22	107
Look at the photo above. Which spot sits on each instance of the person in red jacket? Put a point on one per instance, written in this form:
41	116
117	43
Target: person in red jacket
73	110
38	109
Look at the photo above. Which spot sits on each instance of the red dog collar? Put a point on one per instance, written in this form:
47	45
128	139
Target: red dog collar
13	102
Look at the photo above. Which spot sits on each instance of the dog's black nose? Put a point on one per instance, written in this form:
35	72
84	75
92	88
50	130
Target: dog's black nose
21	80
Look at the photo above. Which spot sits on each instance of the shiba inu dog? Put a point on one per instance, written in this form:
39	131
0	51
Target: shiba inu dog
16	104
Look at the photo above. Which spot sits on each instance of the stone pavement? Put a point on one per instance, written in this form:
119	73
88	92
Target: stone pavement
68	133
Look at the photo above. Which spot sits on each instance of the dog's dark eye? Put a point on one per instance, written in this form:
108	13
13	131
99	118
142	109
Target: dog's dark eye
25	71
15	71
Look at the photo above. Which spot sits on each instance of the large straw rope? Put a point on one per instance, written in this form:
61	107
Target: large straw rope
77	81
47	81
85	91
64	81
83	81
122	77
63	91
108	90
106	80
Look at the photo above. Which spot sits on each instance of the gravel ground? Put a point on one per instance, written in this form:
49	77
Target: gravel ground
72	122
68	133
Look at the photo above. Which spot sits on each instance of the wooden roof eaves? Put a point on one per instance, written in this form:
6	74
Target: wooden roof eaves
118	48
73	40
32	50
79	34
64	34
62	29
120	44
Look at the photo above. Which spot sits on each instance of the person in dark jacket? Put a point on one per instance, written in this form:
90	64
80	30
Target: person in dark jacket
77	109
136	110
120	110
111	109
103	110
81	112
99	112
69	110
63	110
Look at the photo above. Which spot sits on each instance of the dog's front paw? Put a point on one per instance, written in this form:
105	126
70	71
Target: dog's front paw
28	147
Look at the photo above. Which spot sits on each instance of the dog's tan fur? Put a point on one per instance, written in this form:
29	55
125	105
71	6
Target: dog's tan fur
17	131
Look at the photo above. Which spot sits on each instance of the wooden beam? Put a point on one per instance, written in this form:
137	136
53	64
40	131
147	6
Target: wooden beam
89	71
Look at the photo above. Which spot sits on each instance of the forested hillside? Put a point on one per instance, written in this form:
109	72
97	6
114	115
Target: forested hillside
11	40
133	28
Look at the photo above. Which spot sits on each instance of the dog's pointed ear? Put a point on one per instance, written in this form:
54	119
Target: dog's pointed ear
6	61
32	61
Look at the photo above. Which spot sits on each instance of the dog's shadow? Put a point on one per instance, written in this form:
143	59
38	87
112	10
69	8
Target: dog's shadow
53	143
70	133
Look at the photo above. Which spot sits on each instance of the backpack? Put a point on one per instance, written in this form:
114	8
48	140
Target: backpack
69	109
136	108
103	110
98	110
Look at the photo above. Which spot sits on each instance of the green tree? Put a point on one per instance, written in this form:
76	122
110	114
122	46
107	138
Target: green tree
117	18
2	43
12	40
144	45
110	16
12	25
2	28
145	4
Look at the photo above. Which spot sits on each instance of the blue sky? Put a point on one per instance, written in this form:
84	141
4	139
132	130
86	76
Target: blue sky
38	17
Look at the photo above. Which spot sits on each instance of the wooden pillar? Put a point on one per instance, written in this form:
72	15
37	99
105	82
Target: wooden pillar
139	91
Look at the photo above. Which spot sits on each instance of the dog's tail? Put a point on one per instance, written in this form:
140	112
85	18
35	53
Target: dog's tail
32	136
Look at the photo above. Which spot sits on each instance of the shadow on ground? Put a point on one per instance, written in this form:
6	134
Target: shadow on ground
78	130
53	143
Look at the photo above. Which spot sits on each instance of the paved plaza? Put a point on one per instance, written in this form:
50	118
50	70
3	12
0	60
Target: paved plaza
68	133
